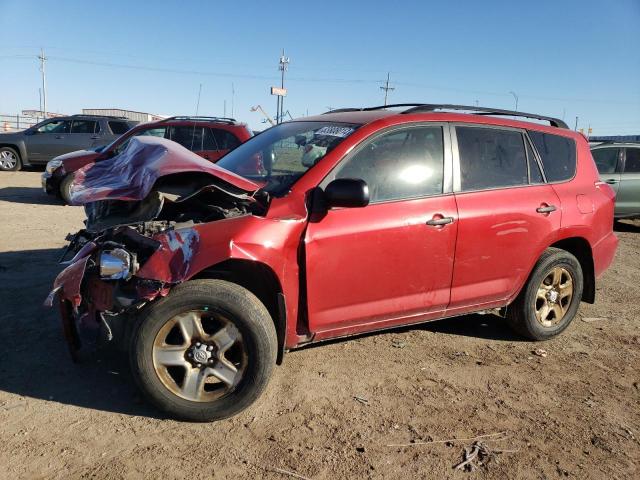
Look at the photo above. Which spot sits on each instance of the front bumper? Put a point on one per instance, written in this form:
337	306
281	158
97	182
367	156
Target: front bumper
44	180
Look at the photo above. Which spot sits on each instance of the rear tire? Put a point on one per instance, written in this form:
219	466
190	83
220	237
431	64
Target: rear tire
65	188
549	301
9	160
209	368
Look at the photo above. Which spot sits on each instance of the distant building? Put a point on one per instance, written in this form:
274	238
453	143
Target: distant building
119	112
615	138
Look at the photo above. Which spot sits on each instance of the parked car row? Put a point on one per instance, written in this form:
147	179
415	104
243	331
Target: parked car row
208	137
324	227
56	136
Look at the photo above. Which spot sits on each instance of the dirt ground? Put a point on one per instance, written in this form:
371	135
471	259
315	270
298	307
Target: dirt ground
331	411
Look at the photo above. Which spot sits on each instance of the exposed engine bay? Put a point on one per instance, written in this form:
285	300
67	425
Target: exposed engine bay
131	218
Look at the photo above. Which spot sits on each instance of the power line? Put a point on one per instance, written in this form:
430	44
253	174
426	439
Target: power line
319	80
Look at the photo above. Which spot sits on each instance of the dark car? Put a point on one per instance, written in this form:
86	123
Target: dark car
57	136
619	166
210	272
209	137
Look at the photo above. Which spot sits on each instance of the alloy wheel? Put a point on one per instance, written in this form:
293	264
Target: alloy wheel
554	297
8	160
199	355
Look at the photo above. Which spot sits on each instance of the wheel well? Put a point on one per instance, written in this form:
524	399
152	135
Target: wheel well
260	280
14	147
580	248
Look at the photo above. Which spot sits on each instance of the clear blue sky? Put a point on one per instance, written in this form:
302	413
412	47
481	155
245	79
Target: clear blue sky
560	57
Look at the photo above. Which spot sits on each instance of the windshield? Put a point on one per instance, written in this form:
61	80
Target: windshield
281	155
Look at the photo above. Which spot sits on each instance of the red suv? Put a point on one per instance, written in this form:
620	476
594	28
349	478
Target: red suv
209	137
352	221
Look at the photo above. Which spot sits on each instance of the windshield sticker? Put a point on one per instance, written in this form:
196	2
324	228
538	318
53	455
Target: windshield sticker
334	131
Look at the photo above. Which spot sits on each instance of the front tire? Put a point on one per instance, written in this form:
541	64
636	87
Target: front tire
65	188
205	352
9	160
550	299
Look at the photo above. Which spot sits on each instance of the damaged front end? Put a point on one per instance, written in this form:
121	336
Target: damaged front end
108	280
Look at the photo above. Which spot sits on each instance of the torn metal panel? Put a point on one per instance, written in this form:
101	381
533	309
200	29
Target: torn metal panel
131	175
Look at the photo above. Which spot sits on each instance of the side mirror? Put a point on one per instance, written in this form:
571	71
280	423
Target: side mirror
30	131
347	192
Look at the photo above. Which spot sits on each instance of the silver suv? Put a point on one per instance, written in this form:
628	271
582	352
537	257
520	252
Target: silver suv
619	166
56	136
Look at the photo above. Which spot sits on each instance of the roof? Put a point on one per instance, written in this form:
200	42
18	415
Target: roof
433	112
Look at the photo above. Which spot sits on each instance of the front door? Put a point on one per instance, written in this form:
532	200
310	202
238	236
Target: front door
389	262
48	140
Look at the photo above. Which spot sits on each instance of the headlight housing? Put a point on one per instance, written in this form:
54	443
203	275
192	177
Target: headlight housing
115	264
52	165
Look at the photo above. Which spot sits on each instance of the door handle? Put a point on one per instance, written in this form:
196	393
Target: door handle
546	209
611	181
59	137
95	137
439	221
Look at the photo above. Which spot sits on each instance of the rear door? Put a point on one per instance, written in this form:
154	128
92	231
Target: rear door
628	198
609	163
83	135
507	214
389	262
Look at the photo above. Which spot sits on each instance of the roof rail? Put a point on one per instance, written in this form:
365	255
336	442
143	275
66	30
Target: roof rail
201	118
554	122
432	107
100	116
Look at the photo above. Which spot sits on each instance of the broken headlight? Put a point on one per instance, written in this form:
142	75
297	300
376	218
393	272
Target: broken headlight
52	165
115	264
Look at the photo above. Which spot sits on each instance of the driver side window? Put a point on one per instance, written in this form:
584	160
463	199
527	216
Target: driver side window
55	126
402	164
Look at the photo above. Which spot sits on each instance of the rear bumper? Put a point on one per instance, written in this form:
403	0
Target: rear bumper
603	253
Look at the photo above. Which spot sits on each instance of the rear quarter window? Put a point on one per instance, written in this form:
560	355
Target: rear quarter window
118	128
558	155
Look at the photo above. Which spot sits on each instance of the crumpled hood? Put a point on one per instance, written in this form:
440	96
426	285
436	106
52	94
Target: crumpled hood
132	174
76	154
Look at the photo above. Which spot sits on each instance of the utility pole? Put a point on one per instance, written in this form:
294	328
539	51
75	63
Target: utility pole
233	94
198	102
43	59
283	67
224	108
576	127
386	89
516	98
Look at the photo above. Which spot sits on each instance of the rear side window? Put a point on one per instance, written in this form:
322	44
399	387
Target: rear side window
83	126
558	155
209	141
118	128
190	137
225	140
491	158
606	159
632	162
